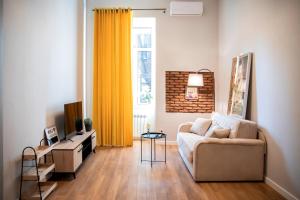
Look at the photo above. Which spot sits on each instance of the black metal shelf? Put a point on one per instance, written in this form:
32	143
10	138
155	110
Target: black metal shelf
37	172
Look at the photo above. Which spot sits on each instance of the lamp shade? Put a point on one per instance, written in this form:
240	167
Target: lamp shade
195	80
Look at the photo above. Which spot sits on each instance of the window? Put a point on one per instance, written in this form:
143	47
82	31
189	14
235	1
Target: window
143	60
143	73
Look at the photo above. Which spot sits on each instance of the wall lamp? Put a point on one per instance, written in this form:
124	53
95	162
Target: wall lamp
196	79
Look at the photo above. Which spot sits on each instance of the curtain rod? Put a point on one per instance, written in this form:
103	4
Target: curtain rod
159	9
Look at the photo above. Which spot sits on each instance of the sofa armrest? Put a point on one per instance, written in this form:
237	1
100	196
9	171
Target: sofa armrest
185	127
262	138
228	159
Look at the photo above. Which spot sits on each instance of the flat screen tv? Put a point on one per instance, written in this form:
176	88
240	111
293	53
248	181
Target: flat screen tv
72	113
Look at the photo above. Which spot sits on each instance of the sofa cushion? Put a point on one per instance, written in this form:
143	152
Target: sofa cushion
226	122
239	128
200	126
212	127
217	132
247	129
186	142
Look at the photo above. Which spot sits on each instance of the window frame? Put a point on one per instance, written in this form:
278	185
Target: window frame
140	23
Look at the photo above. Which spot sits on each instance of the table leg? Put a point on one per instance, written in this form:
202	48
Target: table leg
165	149
141	149
154	150
151	151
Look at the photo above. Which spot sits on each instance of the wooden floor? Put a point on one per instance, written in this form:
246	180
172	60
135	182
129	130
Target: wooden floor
117	173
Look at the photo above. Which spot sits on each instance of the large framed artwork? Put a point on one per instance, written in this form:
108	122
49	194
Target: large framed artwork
239	85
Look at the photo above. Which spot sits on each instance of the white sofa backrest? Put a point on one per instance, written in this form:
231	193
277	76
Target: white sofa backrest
239	128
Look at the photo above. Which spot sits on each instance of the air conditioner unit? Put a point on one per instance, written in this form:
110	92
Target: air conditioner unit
186	8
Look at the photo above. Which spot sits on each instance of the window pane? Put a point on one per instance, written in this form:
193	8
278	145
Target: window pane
144	76
142	38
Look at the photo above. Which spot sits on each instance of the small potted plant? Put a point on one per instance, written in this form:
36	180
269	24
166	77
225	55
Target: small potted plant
88	124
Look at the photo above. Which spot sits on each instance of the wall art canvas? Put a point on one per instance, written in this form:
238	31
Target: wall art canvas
239	85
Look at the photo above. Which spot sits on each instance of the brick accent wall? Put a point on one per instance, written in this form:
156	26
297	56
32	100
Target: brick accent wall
176	83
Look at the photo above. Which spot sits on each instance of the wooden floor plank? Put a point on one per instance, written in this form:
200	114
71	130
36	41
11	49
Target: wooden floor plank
117	173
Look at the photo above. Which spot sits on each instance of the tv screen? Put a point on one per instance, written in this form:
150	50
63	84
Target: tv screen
73	111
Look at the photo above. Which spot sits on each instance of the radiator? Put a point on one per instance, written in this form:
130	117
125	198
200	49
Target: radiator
139	124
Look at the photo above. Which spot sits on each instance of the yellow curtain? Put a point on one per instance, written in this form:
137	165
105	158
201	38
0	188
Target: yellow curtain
112	86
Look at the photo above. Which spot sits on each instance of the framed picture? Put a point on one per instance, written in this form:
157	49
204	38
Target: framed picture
239	85
52	135
191	93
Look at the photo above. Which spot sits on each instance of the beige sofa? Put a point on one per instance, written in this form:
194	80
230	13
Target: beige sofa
240	157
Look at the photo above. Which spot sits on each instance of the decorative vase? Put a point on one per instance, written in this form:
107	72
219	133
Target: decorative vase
88	124
78	125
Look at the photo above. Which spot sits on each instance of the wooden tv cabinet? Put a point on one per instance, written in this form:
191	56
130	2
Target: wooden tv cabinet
68	155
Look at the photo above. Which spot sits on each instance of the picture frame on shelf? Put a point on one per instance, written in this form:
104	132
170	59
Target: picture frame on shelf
52	135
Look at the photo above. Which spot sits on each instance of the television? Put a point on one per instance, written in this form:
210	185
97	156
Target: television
72	113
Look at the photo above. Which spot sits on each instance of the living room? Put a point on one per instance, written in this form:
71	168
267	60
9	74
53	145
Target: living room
50	51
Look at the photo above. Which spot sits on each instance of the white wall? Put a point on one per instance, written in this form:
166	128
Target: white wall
183	43
42	71
271	30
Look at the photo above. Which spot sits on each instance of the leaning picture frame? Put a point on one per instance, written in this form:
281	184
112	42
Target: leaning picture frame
239	85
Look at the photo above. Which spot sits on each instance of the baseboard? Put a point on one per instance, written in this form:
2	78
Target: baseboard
280	189
168	142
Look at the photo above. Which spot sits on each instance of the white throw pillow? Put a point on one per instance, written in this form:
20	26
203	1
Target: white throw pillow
200	126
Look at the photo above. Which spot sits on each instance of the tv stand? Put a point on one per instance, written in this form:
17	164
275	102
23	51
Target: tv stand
69	155
79	133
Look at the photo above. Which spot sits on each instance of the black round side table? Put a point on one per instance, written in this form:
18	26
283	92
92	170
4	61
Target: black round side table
153	136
